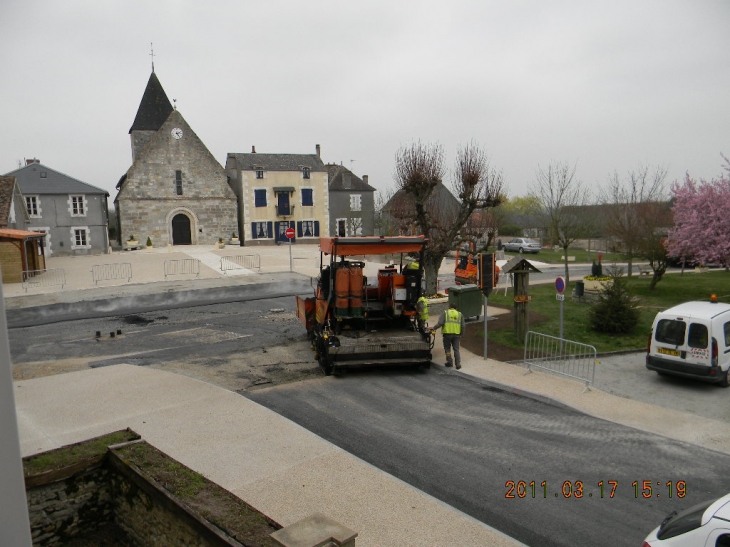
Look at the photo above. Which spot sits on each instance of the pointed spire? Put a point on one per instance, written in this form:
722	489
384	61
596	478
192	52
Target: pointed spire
154	108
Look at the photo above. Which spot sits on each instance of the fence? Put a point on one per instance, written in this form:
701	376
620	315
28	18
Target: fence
43	278
107	272
182	267
250	262
565	357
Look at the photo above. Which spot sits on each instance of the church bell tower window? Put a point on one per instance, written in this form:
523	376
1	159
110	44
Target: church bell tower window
178	183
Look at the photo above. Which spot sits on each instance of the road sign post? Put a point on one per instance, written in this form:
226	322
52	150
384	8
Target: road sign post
289	233
560	287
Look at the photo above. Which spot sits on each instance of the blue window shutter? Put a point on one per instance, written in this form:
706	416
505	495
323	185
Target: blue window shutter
277	237
307	199
253	230
316	228
260	198
269	230
299	229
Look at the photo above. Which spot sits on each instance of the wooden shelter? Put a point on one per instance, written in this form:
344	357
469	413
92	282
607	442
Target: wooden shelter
520	269
20	251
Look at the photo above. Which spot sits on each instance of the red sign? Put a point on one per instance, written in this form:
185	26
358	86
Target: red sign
289	233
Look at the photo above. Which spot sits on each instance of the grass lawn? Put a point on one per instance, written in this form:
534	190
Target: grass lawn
554	257
672	289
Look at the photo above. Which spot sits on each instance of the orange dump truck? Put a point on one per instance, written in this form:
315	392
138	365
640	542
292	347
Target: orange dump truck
354	321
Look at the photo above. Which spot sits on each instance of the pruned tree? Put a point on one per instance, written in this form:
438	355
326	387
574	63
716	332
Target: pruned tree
701	221
623	210
419	170
654	223
562	198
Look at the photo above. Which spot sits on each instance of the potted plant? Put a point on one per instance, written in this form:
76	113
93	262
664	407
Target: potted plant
149	244
234	239
132	241
220	243
596	283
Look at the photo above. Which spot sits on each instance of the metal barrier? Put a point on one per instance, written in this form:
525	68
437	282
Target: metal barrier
107	272
565	357
43	278
182	267
250	262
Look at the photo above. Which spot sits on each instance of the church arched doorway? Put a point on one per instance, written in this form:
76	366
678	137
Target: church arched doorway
181	234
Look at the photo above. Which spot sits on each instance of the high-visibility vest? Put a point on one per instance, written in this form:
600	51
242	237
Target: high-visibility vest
424	309
452	321
413	266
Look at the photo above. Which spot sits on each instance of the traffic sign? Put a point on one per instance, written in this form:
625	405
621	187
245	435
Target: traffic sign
560	285
560	296
289	233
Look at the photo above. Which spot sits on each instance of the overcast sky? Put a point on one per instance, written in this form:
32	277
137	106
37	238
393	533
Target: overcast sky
607	86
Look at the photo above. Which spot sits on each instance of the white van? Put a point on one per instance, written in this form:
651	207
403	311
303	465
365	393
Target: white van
692	340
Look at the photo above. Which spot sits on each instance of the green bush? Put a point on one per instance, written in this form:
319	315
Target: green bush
615	312
149	241
510	230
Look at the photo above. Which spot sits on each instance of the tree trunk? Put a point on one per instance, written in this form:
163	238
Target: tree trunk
431	271
565	259
630	261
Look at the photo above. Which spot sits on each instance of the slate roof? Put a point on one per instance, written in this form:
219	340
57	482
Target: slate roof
11	233
31	181
277	162
154	108
339	174
7	185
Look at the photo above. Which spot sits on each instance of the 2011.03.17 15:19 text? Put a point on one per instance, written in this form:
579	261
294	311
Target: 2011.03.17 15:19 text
645	489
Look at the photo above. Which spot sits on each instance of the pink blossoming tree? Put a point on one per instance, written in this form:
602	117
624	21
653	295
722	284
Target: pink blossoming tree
701	230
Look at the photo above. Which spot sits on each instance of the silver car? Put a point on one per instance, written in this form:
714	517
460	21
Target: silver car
522	245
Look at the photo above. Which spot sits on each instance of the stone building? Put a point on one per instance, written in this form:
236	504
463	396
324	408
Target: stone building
352	203
280	191
73	214
175	191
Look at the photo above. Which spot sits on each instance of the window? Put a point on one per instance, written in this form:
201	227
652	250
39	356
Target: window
669	331
698	336
341	227
355	202
307	197
260	197
31	204
178	183
77	206
355	226
305	172
259	173
260	230
80	237
307	229
727	335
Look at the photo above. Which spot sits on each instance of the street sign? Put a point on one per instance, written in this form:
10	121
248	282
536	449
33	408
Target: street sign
560	285
560	296
289	233
523	298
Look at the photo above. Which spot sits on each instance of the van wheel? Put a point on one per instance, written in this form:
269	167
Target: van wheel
725	382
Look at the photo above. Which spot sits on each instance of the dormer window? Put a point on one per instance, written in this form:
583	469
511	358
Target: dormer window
305	172
259	172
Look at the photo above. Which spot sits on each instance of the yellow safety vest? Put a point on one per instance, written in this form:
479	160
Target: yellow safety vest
424	311
413	266
452	322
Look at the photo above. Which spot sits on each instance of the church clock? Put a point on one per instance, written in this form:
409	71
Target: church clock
177	133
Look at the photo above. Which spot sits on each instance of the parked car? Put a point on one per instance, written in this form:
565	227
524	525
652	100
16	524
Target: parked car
692	340
706	524
522	245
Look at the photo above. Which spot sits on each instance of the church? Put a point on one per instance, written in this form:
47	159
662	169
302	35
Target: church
175	192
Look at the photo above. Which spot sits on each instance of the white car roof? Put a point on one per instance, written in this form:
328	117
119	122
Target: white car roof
698	309
720	509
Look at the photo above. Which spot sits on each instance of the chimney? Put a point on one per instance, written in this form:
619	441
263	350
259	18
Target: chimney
319	151
365	179
32	160
253	149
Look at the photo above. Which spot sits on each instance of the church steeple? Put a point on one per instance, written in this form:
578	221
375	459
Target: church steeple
154	108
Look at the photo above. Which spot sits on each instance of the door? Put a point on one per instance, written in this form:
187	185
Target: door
181	230
283	204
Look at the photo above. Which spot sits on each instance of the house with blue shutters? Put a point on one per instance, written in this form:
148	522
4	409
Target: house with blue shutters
279	191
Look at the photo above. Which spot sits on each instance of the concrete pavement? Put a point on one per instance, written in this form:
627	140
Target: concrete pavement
283	470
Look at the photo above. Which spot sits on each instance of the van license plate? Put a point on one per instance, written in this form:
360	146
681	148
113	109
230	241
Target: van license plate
667	351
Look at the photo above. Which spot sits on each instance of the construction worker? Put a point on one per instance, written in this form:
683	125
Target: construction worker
422	311
413	265
452	321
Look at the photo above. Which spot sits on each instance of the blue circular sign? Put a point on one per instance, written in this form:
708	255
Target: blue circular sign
560	284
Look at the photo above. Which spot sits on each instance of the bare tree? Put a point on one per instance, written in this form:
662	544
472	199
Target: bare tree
654	223
562	197
623	206
419	170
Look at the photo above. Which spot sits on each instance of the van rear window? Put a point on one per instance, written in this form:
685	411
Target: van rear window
670	331
697	336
